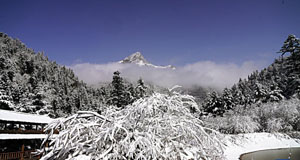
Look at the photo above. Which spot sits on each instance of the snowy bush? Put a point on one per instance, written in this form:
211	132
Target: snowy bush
279	117
242	124
157	127
283	116
274	125
233	123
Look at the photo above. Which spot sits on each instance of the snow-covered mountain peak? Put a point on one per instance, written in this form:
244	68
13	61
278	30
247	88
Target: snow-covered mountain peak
138	58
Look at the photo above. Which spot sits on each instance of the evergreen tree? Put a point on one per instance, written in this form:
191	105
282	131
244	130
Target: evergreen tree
291	44
5	101
227	99
260	93
275	93
213	104
131	95
141	89
118	95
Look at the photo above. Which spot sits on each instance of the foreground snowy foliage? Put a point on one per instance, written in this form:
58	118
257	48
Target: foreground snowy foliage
157	127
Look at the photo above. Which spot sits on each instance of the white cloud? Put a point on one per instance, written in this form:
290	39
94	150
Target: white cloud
203	73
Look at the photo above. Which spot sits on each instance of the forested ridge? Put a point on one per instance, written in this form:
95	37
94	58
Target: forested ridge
267	101
279	81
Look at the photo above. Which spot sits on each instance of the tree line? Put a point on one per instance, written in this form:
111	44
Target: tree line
279	81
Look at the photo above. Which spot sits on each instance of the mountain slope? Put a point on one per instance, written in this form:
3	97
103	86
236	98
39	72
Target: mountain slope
279	81
32	83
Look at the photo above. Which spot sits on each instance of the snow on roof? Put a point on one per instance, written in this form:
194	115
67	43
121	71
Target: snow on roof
23	117
22	136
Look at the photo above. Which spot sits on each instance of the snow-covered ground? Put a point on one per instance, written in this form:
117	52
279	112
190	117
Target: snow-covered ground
244	143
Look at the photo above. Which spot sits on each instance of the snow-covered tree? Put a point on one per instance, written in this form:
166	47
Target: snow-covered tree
291	44
260	92
227	99
141	89
275	94
130	94
157	127
118	94
213	104
5	101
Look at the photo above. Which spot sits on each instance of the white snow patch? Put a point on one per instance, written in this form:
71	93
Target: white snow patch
23	117
82	157
244	143
138	59
22	136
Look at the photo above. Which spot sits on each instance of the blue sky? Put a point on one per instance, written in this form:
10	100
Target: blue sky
165	31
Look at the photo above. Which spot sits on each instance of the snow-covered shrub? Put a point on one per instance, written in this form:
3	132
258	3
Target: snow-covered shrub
233	123
279	117
274	125
157	127
242	124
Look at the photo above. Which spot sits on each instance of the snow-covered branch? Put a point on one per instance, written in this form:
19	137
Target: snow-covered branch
158	127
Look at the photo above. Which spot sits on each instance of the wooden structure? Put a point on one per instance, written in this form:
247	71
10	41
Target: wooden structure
21	134
19	155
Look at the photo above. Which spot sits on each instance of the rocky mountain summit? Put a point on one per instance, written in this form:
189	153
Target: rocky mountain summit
138	59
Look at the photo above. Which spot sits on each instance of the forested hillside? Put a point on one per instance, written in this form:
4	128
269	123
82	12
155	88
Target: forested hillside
29	82
279	81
